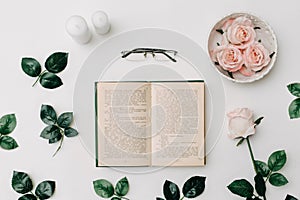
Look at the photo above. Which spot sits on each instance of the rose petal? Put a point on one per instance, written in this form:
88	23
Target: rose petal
227	23
250	131
246	71
246	113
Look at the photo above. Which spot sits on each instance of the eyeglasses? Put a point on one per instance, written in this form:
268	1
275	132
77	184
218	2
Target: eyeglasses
141	53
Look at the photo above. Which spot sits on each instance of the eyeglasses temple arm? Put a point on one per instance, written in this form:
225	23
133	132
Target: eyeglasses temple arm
168	56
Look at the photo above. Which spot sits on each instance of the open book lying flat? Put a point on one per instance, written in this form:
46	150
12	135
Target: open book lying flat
150	123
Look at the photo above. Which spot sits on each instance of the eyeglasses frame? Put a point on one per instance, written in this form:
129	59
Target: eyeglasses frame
153	51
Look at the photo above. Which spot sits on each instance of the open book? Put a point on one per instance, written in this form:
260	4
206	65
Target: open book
150	123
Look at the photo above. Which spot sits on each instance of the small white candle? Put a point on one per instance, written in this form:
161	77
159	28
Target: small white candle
78	29
101	22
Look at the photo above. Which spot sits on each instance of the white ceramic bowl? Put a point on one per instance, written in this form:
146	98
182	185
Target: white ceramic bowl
264	34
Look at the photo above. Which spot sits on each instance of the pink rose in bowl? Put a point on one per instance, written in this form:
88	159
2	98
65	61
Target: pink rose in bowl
256	57
240	123
241	32
228	57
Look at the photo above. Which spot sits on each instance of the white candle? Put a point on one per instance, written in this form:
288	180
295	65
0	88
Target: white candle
101	22
78	29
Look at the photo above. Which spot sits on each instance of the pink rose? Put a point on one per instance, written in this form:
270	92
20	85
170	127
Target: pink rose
240	123
256	57
240	32
229	57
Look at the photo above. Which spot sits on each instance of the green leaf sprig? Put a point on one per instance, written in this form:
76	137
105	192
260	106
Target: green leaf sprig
7	124
54	64
294	107
22	184
58	127
276	162
105	189
264	172
192	188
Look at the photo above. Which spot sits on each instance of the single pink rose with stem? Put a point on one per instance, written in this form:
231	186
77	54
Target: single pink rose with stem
241	125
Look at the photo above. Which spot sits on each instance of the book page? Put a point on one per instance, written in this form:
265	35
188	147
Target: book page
178	124
123	124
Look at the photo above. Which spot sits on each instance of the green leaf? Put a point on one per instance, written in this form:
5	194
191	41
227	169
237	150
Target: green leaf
241	188
277	160
194	186
50	81
7	124
290	197
240	142
220	31
278	179
103	188
260	185
294	89
65	119
56	62
262	168
31	67
294	109
171	191
21	182
230	74
8	143
122	187
45	189
258	121
55	139
50	132
28	197
70	132
48	115
272	54
116	198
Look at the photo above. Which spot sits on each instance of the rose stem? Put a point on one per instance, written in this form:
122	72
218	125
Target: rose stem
251	154
38	78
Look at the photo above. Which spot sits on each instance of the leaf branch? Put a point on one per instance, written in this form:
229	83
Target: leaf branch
270	173
60	145
38	78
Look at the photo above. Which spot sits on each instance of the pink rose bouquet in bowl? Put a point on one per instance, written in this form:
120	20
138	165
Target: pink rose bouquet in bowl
242	47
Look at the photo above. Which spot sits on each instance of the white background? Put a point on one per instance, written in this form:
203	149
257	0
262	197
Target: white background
35	28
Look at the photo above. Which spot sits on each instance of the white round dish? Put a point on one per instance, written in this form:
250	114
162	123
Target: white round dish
264	35
105	63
